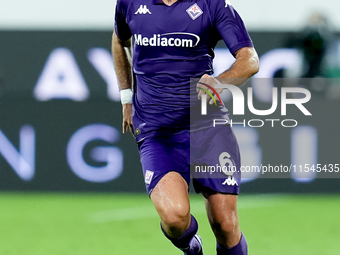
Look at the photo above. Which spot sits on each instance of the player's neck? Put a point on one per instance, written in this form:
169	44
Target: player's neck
169	2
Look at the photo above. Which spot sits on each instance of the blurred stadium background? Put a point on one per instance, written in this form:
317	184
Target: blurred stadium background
71	183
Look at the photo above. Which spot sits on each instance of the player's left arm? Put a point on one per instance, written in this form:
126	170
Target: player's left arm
232	30
245	66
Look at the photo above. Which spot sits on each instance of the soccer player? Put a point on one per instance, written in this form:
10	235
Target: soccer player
174	42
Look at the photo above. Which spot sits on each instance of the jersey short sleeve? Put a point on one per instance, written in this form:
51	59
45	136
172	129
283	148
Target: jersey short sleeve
121	27
231	27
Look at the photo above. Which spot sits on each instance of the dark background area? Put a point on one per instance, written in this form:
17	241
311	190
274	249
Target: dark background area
23	55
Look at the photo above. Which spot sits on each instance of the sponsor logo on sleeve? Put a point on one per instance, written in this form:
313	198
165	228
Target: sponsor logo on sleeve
227	3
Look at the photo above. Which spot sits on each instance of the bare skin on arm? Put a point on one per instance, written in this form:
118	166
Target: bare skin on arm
122	59
245	66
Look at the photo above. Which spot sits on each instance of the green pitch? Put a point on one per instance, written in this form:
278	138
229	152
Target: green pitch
117	224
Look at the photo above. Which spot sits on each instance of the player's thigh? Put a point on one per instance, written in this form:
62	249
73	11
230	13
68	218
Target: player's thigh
223	218
162	155
221	208
165	162
171	199
215	160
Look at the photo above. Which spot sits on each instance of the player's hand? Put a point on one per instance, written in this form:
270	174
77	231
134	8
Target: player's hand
127	118
204	83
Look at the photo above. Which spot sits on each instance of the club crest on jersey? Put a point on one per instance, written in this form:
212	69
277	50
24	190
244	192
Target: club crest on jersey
194	11
148	176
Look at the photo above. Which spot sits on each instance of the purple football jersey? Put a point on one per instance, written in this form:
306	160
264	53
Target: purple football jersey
171	45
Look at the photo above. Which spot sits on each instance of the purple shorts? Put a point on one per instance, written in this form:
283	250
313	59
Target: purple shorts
210	156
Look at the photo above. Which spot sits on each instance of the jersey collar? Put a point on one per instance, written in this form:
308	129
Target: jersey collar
161	2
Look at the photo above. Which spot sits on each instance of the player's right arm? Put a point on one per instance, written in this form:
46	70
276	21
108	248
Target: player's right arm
122	59
122	55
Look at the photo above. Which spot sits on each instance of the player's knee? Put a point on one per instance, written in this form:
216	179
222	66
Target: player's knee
176	219
229	224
